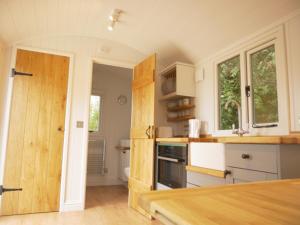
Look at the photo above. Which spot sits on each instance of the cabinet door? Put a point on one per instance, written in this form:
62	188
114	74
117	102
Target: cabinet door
203	180
244	176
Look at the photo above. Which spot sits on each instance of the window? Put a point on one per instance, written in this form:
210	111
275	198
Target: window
95	113
229	88
249	79
264	86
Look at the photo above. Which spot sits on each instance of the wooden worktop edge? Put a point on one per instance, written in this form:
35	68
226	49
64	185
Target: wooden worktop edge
293	138
212	172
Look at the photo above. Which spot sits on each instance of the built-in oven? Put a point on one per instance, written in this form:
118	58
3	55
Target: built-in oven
171	160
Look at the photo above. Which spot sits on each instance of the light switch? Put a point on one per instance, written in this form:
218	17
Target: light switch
79	124
298	119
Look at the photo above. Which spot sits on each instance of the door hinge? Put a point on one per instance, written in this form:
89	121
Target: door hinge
2	189
248	90
16	73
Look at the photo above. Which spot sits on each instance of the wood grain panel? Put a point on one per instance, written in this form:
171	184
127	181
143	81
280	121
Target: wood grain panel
273	202
215	173
16	136
35	163
142	145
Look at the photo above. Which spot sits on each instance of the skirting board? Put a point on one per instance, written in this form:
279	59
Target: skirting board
71	206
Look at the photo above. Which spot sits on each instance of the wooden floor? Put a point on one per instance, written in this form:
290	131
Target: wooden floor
104	206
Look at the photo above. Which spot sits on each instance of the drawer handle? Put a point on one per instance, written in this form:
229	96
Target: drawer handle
227	172
245	156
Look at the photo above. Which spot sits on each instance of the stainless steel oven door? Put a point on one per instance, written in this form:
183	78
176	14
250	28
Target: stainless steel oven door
170	173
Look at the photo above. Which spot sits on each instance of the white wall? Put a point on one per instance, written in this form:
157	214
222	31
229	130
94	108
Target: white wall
84	50
111	82
4	75
3	82
293	55
205	91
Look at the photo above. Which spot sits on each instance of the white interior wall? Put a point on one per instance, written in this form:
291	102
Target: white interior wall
111	82
5	55
84	51
293	56
205	91
3	81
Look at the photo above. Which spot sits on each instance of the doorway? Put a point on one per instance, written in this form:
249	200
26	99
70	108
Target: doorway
109	132
33	162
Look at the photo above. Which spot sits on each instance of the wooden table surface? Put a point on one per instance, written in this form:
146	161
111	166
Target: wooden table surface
261	203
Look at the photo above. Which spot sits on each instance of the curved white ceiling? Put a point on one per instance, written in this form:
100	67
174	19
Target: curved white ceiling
186	30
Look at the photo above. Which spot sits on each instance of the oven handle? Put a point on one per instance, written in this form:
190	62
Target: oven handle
168	159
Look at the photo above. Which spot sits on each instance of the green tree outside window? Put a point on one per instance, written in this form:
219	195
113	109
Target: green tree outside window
229	85
94	122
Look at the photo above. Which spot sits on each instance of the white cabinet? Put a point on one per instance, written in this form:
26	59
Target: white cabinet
178	90
195	179
244	176
253	157
293	56
178	80
207	155
253	162
243	163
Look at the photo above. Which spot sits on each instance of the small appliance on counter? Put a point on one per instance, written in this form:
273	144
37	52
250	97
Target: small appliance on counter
194	128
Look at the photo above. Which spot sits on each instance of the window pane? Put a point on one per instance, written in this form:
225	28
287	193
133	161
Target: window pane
229	82
94	122
264	86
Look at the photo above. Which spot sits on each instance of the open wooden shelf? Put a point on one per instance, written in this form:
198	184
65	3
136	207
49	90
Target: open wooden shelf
182	118
170	96
180	108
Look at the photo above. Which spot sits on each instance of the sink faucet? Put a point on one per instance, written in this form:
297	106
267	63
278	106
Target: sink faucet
240	131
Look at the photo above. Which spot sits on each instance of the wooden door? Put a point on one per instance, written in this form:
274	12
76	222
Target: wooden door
36	134
142	131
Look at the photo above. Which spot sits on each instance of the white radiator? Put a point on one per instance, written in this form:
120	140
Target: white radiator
96	157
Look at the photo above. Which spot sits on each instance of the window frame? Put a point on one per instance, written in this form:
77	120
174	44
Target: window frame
276	37
100	125
243	81
249	79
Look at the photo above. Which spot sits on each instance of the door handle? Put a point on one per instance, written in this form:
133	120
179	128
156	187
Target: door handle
153	131
245	156
148	132
168	159
3	189
227	172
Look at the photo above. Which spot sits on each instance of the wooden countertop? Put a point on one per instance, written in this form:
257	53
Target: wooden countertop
287	139
261	203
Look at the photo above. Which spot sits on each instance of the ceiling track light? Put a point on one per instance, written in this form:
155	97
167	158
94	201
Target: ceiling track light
114	18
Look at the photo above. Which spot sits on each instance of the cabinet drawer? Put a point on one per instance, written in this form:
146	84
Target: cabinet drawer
203	180
254	157
244	176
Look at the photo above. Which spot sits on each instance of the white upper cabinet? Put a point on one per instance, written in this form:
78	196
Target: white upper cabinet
178	80
293	55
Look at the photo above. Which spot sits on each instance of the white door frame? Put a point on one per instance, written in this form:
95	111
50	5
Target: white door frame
108	62
67	115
